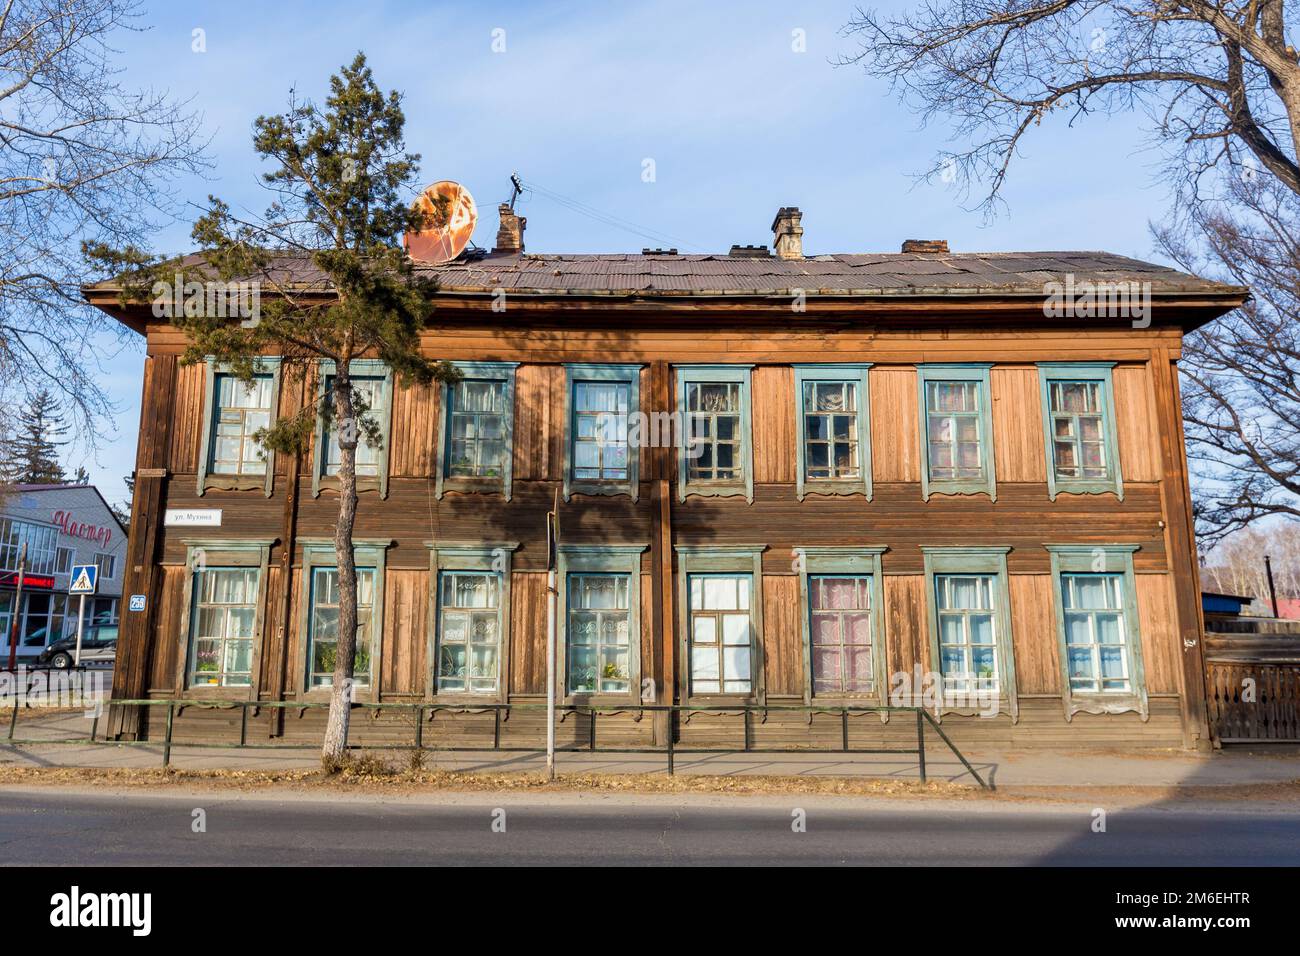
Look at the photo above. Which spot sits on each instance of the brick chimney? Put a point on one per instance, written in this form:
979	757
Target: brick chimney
787	234
925	245
510	235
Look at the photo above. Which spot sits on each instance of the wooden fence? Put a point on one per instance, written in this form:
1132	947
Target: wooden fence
1253	682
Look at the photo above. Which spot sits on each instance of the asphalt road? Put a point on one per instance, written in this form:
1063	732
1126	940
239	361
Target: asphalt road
54	827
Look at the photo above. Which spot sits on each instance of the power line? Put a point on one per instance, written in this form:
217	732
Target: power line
609	219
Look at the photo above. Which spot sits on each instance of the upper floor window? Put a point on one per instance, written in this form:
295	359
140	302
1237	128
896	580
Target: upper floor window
477	424
1099	642
968	598
107	564
834	448
41	546
370	392
63	558
243	408
230	457
713	403
956	430
1079	424
602	458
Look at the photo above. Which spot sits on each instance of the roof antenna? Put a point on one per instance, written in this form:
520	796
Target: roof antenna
517	187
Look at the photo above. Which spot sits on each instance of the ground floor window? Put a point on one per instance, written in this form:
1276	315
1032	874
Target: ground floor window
324	631
599	633
222	626
840	609
1095	634
968	646
43	620
469	629
721	635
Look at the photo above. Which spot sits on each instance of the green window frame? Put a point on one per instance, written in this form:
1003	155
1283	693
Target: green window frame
497	477
1097	622
831	641
217	374
1076	430
818	429
958	630
209	562
379	377
720	426
696	564
471	561
587	431
319	559
596	662
947	429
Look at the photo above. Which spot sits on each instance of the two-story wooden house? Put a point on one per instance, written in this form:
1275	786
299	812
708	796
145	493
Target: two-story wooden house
956	478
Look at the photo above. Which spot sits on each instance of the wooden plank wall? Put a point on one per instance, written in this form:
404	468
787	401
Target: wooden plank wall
1022	517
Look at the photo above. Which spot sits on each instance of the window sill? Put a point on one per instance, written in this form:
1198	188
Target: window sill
728	489
1068	487
953	489
1127	703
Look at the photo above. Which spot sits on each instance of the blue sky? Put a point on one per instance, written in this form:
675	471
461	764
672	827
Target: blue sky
736	122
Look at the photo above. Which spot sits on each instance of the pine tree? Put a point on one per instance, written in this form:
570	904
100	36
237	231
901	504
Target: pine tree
31	453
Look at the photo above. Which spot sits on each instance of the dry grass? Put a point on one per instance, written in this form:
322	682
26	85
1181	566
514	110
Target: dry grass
371	773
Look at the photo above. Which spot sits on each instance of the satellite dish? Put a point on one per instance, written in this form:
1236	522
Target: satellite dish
449	219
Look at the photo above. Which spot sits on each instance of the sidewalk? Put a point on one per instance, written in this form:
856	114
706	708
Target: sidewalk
1233	767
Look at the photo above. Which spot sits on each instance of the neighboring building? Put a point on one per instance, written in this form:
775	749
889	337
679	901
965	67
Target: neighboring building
62	526
905	466
1217	606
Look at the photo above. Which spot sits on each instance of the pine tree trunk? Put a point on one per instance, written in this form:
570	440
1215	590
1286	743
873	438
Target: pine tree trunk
347	428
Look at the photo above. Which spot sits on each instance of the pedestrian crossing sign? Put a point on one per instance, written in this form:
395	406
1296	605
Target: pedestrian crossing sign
84	579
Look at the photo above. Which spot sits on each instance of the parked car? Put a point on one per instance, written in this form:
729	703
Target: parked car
98	645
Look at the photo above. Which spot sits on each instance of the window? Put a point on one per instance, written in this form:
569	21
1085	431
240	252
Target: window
834	451
1100	647
713	404
372	387
840	606
601	457
600	616
230	458
968	600
63	561
476	424
318	621
324	633
224	603
968	656
720	622
470	626
243	408
599	634
1079	425
370	392
107	564
956	430
721	636
843	624
222	630
470	642
41	545
1097	657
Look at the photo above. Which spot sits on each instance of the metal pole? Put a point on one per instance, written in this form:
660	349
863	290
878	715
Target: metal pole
81	624
1272	592
920	742
550	674
18	608
167	742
